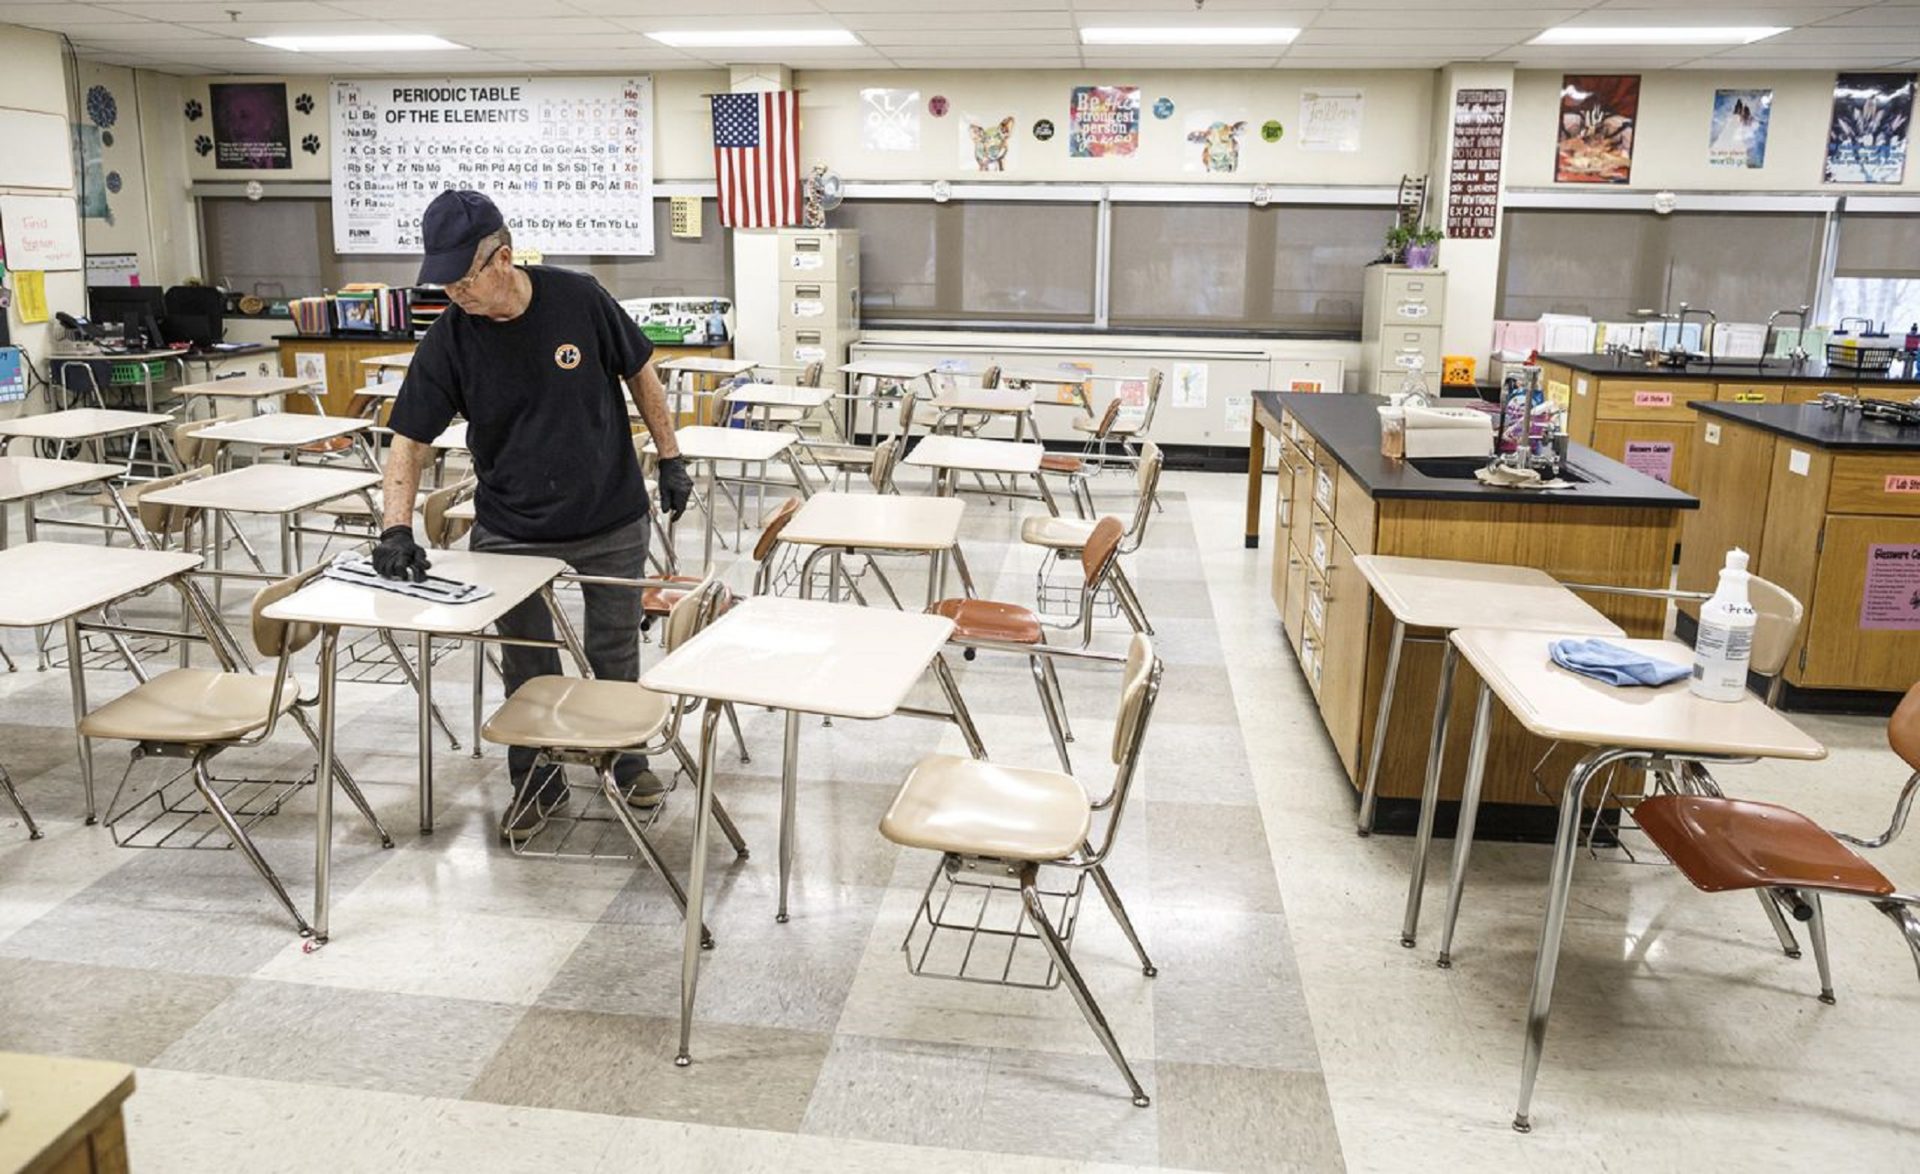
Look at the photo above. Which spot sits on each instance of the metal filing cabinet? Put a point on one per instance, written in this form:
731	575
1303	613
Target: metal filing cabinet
1401	319
819	297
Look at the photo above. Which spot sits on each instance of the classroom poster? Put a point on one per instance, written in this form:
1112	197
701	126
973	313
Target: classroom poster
1738	134
986	144
30	295
1214	143
890	120
250	129
1239	414
1867	133
1473	166
1189	385
1597	117
1103	120
1653	458
311	366
1330	120
1890	601
93	175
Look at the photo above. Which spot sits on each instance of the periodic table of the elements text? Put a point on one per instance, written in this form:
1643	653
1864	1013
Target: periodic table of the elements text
568	160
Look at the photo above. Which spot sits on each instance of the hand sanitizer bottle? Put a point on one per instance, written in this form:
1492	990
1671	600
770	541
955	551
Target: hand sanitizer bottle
1724	645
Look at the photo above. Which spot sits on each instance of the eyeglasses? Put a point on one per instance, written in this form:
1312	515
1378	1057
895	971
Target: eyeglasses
465	283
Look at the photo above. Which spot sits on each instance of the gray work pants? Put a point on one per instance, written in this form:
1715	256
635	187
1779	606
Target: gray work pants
612	635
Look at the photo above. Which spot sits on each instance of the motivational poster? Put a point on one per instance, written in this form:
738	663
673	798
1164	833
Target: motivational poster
1103	121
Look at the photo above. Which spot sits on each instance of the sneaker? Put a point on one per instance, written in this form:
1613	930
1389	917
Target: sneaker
644	790
526	816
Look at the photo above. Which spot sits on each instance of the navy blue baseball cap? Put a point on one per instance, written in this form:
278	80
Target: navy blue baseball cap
451	229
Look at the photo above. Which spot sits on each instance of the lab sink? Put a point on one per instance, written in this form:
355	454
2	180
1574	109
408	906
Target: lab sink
1463	468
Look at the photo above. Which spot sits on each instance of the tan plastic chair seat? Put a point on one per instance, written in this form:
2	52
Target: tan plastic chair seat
574	713
954	804
189	706
1056	533
984	619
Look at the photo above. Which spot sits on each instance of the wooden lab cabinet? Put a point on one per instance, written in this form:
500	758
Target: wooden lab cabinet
1828	520
345	374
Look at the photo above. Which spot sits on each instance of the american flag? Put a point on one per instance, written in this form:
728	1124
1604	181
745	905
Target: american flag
756	154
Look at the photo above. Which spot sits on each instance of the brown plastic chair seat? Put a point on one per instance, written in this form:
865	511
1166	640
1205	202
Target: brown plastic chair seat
1721	844
1055	462
1055	533
954	804
983	619
189	706
575	713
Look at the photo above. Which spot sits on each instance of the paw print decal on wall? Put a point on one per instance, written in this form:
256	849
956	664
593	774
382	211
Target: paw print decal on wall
101	107
311	144
106	138
202	145
304	103
114	182
193	110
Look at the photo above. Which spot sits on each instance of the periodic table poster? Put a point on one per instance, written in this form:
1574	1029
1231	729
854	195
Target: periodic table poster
569	160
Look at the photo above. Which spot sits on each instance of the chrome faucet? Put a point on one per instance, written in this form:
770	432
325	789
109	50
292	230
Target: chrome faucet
1710	327
1798	355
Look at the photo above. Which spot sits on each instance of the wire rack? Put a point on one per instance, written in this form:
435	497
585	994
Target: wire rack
98	652
367	661
171	812
788	571
1057	586
972	927
589	830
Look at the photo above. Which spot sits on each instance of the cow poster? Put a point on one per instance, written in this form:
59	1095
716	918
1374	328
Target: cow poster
1597	118
1214	143
1867	133
1103	121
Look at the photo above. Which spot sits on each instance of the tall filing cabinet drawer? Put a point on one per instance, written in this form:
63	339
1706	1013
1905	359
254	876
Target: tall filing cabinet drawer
800	345
820	255
1411	296
1404	347
831	304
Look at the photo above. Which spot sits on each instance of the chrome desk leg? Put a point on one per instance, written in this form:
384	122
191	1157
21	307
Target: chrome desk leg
962	717
789	800
479	690
691	943
77	681
713	520
1370	792
1429	795
424	643
323	791
1540	1001
1469	815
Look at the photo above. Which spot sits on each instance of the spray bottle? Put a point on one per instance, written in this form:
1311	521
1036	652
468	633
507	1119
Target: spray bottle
1724	646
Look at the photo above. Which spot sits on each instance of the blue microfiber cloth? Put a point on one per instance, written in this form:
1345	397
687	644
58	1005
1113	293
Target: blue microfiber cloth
1613	664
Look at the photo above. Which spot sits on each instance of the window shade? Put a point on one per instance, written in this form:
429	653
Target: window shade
1878	246
975	260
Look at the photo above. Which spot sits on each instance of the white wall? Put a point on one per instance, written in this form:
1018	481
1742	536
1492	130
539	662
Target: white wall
33	77
1670	136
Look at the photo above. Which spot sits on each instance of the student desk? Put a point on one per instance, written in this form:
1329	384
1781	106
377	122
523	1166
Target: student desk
804	657
396	361
287	430
253	389
682	371
993	402
711	445
282	490
1442	595
949	456
92	427
879	523
47	583
25	479
893	374
1633	726
1057	380
333	605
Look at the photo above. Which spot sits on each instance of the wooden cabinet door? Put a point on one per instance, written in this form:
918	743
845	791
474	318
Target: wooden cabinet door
1301	499
1293	616
1802	393
1867	591
1282	520
1343	679
1672	443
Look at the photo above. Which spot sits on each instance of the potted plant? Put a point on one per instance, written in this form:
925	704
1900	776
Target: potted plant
1398	238
1422	244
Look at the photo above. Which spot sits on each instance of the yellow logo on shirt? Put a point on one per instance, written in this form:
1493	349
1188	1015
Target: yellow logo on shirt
566	356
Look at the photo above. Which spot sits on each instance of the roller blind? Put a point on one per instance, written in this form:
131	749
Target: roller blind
279	248
975	260
1878	246
1238	267
1741	265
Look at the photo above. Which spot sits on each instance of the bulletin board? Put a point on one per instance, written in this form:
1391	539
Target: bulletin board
569	160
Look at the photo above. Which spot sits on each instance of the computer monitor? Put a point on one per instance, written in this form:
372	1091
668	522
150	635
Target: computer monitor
138	308
195	314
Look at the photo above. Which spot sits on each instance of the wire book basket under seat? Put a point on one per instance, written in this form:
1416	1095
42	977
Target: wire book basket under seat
975	928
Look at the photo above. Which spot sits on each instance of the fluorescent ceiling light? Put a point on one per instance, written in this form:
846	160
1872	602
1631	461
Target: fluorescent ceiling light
1188	35
1648	35
755	38
355	43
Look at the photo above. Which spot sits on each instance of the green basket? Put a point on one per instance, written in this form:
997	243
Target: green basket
139	372
660	332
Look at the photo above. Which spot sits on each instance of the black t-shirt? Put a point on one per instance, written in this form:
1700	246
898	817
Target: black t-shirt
544	397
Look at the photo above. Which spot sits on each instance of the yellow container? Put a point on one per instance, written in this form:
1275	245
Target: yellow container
1457	370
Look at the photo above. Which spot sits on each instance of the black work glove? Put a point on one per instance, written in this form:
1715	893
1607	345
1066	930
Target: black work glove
398	556
676	487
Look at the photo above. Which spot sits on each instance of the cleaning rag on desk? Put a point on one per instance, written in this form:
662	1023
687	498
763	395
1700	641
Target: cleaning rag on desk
1613	664
358	570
